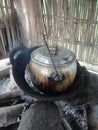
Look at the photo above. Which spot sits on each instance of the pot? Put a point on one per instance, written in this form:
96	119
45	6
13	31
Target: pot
52	71
53	76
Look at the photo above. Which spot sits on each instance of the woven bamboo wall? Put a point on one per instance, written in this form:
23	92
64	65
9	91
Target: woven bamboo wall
70	23
74	24
9	33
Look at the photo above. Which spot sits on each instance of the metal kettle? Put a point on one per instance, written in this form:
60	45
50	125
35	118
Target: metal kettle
49	83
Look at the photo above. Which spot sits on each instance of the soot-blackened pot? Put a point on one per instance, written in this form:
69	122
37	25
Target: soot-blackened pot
49	76
48	79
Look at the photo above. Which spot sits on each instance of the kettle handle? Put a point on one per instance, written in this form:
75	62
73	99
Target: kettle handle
18	68
16	52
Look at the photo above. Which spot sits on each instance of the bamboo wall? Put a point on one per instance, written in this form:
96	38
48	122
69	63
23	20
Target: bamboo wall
70	23
9	33
74	24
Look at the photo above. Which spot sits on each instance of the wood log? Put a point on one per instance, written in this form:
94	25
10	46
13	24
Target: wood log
4	73
93	118
14	97
10	94
90	67
11	98
41	116
9	115
4	67
4	63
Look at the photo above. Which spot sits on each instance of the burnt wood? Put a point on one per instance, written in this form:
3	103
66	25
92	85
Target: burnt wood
41	116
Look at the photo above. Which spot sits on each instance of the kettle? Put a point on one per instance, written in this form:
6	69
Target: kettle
49	81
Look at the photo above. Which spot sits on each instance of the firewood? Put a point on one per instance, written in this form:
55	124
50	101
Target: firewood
4	73
10	115
4	67
41	116
4	63
10	94
93	118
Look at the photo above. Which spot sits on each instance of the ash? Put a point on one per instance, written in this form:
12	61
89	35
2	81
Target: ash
76	116
8	84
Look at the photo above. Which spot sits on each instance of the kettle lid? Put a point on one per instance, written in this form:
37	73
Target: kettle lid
60	55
